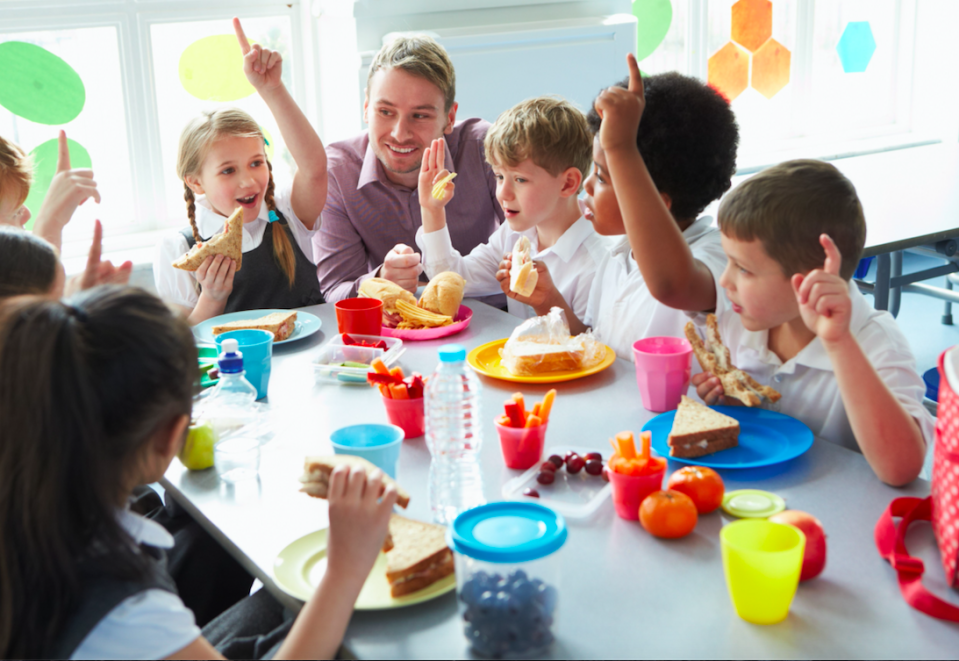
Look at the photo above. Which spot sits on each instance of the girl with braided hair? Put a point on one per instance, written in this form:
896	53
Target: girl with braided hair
222	162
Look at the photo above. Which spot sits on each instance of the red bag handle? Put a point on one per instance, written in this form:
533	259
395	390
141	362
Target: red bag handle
890	540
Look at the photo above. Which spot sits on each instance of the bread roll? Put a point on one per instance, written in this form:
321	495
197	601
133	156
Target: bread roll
444	294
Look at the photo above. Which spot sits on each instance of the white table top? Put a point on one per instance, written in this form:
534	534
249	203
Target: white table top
910	197
623	593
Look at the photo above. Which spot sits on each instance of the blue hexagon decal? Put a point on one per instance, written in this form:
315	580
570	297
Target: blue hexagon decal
856	46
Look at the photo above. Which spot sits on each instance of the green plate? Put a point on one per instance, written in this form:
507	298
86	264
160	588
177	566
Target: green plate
299	568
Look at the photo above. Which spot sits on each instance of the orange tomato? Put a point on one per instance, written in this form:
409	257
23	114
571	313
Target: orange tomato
669	514
701	484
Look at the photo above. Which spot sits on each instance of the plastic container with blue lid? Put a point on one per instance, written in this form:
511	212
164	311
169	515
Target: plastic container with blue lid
507	575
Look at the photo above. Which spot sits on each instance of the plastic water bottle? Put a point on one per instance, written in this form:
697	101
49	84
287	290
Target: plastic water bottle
453	436
230	405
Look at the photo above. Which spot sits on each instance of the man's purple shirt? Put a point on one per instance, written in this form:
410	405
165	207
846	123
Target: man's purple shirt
366	214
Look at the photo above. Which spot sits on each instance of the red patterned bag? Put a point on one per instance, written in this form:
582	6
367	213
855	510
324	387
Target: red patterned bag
941	508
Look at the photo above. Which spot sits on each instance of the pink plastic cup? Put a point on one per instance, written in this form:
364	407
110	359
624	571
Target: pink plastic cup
629	491
522	448
407	414
360	316
663	368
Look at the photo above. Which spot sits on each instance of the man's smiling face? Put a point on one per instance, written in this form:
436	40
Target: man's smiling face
405	114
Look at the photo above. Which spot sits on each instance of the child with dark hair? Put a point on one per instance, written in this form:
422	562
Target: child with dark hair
95	397
651	180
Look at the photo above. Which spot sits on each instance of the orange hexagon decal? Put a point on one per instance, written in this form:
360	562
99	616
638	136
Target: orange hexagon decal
752	23
729	71
771	68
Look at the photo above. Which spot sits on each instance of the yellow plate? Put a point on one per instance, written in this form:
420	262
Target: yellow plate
486	360
299	568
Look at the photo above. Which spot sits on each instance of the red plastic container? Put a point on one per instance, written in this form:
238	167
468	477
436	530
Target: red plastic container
629	491
522	448
363	316
407	414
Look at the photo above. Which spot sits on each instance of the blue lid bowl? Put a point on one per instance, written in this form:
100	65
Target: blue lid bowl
507	532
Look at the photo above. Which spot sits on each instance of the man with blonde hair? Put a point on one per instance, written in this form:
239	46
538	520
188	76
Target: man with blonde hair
372	209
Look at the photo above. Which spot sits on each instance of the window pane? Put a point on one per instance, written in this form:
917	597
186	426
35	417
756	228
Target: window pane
176	106
671	54
100	127
764	109
855	100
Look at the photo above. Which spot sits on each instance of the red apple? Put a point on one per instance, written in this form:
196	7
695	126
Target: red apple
814	557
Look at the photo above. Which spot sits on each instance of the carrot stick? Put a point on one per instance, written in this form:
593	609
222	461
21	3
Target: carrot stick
380	367
533	421
646	439
535	410
397	372
398	390
385	391
503	421
518	398
547	406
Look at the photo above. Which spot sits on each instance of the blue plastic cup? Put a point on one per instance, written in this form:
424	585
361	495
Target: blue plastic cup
378	444
257	349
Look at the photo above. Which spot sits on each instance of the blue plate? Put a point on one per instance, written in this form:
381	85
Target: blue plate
306	324
765	438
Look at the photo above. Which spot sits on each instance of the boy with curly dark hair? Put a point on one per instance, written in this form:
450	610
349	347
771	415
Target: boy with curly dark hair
649	179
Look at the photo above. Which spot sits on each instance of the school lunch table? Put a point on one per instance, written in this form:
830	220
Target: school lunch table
623	593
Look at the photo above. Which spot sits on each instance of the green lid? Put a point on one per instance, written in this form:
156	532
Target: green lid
752	503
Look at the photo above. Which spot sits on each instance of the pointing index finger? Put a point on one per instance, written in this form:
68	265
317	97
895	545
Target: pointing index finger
833	257
635	77
241	36
63	152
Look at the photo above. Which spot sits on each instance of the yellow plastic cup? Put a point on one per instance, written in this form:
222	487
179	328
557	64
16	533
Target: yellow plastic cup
762	561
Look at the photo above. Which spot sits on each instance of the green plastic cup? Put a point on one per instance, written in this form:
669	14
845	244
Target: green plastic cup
762	561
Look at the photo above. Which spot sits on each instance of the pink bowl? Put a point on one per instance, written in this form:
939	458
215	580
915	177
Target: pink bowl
460	322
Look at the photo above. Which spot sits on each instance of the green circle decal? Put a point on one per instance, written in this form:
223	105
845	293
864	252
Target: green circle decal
37	85
45	167
653	18
211	69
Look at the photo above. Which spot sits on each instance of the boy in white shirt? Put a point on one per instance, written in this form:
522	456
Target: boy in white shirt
793	235
663	172
539	151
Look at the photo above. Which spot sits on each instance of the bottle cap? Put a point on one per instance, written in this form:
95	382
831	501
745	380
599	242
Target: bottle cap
452	353
231	360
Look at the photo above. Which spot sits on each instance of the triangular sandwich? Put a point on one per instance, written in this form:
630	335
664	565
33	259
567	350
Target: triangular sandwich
699	430
228	243
419	557
281	324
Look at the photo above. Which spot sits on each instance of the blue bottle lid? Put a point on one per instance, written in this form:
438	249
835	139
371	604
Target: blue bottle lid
231	360
452	353
507	532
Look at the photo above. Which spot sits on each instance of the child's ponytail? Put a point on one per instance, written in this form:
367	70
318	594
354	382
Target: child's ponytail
84	387
191	211
282	248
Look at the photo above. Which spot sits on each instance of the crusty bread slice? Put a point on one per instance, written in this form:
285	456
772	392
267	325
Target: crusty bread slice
228	243
699	430
713	357
281	324
420	556
316	475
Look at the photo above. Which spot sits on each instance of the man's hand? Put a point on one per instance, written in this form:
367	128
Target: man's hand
97	271
402	267
431	171
262	66
542	295
68	190
823	296
359	520
621	110
215	276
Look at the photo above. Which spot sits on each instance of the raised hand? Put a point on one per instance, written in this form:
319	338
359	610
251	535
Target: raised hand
621	110
359	520
262	66
69	189
431	171
823	296
402	266
99	272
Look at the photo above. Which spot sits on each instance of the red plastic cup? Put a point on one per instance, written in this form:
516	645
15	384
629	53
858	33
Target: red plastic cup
663	370
629	491
362	316
522	448
407	414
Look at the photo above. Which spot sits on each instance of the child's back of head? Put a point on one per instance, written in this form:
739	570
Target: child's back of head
688	138
28	264
85	387
788	206
548	130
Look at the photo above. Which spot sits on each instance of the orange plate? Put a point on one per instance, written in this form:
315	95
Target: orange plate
485	359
